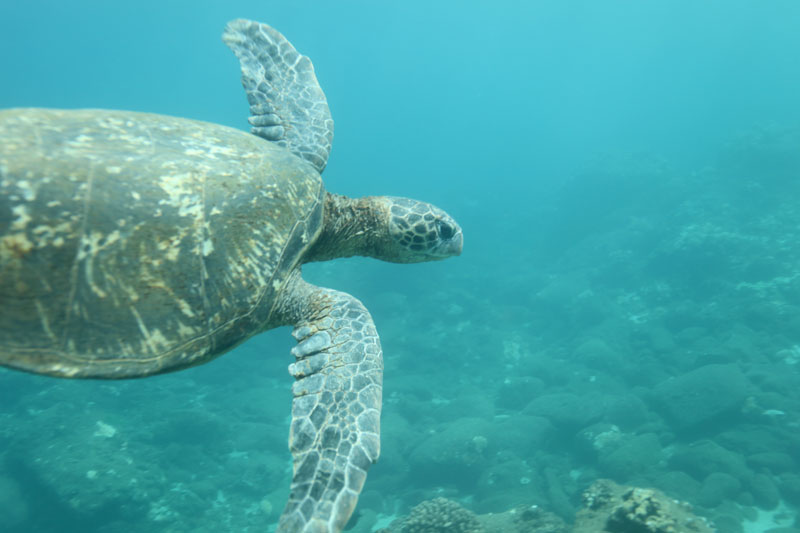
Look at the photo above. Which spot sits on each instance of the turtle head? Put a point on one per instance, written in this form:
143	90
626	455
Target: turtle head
420	232
398	230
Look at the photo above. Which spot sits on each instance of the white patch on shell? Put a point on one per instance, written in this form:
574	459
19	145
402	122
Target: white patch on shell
28	192
185	308
211	149
185	331
171	254
52	235
146	339
178	189
89	246
170	248
221	149
15	244
45	322
191	209
21	212
158	340
111	238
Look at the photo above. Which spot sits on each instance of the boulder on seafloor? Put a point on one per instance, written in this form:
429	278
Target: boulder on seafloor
718	487
568	412
520	434
456	454
612	508
701	458
702	396
635	455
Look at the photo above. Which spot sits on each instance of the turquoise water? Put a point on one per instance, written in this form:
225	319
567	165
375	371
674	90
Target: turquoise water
627	304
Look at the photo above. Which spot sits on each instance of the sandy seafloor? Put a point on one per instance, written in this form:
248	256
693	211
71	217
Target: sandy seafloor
627	305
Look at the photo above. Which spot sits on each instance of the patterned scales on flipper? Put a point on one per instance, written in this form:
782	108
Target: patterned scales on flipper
335	431
337	399
286	101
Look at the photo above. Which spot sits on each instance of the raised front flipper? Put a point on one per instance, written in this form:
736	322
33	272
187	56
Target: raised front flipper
335	429
286	102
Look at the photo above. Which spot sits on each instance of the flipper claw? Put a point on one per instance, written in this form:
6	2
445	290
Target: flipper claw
272	133
311	345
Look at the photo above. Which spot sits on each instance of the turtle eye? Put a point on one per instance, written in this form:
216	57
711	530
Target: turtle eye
445	231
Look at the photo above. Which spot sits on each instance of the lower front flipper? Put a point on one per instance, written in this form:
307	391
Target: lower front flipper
335	428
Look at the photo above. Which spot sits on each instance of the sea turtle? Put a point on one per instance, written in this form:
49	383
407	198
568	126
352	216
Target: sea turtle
133	244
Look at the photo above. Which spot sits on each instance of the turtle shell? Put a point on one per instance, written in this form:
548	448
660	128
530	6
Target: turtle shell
133	244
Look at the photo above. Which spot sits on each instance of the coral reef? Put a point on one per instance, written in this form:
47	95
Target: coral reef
613	508
438	515
607	508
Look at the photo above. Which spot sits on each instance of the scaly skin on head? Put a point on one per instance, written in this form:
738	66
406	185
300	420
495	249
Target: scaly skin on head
398	230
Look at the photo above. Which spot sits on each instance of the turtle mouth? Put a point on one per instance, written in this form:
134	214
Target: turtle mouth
451	246
457	244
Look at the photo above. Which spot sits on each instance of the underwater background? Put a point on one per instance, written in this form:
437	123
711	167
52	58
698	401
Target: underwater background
627	305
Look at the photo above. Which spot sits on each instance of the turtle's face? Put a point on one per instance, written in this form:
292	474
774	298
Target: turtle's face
422	232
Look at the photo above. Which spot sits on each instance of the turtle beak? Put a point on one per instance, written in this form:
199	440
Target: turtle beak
457	243
452	246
